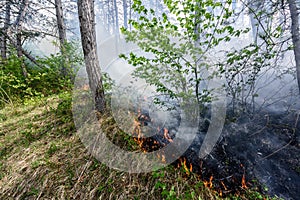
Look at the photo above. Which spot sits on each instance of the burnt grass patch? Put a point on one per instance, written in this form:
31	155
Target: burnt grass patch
260	152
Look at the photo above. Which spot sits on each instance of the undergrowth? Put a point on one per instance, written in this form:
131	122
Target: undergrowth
41	157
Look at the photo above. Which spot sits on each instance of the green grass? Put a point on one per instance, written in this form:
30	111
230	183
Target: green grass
42	158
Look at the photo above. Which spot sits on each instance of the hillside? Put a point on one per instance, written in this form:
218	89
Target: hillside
42	158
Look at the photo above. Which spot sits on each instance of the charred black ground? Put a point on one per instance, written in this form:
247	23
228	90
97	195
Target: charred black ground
259	151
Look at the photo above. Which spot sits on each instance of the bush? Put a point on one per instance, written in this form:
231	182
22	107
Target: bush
41	81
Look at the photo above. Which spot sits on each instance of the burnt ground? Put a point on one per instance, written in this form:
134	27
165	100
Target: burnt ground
261	152
264	148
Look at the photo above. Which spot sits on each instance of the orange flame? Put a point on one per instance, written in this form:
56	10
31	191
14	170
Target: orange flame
244	186
163	158
209	183
166	135
220	193
183	163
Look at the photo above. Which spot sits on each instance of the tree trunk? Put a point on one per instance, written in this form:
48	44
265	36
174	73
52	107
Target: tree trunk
295	36
255	13
130	14
116	17
88	38
125	13
5	27
62	35
20	53
18	23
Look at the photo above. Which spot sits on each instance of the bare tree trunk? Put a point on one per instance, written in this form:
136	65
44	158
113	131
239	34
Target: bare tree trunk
20	53
130	14
5	27
116	17
3	47
61	34
255	13
295	36
125	13
18	23
88	38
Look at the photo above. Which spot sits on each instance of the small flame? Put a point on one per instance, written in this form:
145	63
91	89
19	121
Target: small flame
191	167
220	193
186	169
244	186
163	158
209	183
166	135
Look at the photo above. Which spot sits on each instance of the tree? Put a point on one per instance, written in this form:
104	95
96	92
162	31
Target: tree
88	39
179	47
19	24
125	13
295	35
61	34
3	42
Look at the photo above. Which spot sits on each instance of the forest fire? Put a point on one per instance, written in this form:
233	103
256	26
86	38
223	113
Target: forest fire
209	183
224	181
244	185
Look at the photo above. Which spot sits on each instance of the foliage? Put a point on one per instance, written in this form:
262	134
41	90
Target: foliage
177	46
36	151
182	51
14	86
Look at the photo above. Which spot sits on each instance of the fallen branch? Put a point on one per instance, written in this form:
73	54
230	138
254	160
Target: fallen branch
271	154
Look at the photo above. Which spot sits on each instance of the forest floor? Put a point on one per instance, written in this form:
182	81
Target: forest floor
41	157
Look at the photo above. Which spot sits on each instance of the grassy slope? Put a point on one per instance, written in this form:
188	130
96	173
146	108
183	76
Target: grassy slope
42	158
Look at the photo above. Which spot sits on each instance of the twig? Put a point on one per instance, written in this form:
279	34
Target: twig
268	119
296	122
271	154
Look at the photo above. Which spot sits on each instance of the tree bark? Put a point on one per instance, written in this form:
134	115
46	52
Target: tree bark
62	35
20	53
5	27
125	13
255	9
295	36
116	17
88	39
19	23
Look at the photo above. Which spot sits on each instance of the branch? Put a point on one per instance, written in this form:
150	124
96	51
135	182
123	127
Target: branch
30	57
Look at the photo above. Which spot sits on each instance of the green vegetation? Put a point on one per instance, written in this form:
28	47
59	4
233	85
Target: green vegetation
41	157
43	80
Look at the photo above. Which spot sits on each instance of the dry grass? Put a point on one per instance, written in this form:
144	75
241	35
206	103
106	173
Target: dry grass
42	158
